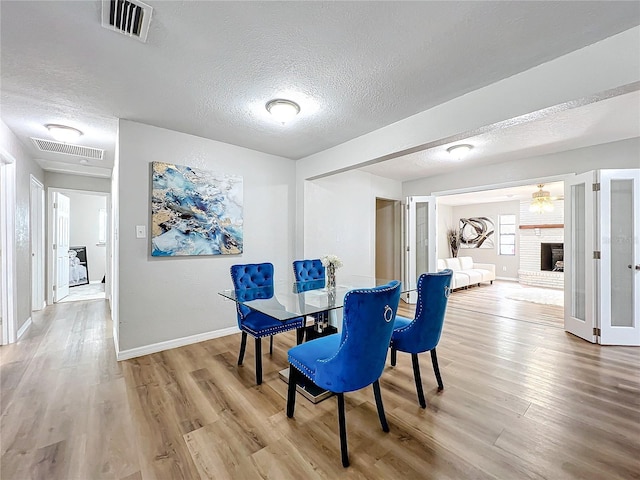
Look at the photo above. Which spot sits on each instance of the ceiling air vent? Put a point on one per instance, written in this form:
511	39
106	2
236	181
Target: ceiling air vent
68	149
128	17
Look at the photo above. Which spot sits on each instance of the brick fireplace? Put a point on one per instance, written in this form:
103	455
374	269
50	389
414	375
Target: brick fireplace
541	239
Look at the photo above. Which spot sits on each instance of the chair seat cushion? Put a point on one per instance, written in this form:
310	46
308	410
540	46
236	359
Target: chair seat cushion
260	325
305	357
400	322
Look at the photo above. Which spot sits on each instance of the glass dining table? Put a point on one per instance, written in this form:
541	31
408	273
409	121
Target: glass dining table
287	300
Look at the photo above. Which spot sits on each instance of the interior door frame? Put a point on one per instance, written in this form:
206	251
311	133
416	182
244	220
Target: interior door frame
36	227
110	266
8	269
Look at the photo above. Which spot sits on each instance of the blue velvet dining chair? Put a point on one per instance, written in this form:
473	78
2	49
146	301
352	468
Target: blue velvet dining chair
255	281
353	359
309	275
422	334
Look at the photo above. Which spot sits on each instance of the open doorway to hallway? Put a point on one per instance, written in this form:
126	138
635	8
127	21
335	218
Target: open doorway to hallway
87	245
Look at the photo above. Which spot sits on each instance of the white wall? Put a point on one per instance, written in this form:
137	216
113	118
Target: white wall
77	182
163	299
340	218
25	166
83	230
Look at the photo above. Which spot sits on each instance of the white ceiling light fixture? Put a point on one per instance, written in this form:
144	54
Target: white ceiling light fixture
541	201
459	151
62	133
283	110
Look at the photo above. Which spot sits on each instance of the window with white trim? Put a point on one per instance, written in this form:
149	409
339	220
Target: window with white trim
507	237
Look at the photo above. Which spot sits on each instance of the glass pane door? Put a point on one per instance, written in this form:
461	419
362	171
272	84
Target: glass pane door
579	236
620	253
421	240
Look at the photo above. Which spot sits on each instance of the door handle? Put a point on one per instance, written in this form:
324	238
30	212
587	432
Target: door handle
637	267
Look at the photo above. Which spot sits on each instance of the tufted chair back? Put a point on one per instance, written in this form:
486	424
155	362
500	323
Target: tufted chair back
251	281
423	333
309	275
367	323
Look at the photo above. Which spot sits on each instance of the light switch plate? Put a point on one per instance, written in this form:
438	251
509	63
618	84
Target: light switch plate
141	231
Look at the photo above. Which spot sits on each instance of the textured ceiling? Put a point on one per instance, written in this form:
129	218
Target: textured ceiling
208	68
617	118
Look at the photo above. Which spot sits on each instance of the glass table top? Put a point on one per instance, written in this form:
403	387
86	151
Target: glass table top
289	300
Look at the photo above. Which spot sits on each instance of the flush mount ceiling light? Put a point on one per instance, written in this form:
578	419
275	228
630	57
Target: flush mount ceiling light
459	151
541	201
62	133
282	110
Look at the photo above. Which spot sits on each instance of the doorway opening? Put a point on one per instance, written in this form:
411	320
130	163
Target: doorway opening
517	227
80	269
388	239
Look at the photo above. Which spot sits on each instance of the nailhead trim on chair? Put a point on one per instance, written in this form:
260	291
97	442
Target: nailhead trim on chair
271	330
420	307
346	335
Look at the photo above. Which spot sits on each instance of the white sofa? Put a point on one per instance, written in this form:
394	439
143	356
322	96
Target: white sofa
466	273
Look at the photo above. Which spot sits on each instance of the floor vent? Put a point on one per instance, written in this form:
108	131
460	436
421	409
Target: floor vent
68	149
128	17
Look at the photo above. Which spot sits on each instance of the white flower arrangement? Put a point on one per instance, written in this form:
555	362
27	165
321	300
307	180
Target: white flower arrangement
331	260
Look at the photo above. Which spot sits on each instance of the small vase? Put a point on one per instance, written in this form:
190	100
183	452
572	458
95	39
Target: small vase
331	277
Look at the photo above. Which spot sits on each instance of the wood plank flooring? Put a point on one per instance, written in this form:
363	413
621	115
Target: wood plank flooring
522	399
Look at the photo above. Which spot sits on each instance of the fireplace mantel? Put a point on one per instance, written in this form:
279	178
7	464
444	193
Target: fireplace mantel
546	225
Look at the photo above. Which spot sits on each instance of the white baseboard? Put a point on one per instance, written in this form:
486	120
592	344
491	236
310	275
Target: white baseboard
169	344
507	279
116	343
23	328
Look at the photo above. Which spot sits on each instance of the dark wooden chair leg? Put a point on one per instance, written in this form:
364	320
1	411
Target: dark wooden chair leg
271	345
394	355
291	392
381	415
343	430
416	376
243	346
258	360
436	369
300	335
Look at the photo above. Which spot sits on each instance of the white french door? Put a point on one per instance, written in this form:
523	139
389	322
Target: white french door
579	238
602	257
619	226
420	241
61	211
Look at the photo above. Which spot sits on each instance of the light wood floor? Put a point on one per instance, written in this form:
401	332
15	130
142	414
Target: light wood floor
522	399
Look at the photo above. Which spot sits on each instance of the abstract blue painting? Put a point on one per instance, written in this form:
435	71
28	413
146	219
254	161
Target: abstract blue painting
195	212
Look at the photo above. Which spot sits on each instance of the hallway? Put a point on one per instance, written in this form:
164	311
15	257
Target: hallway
65	413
